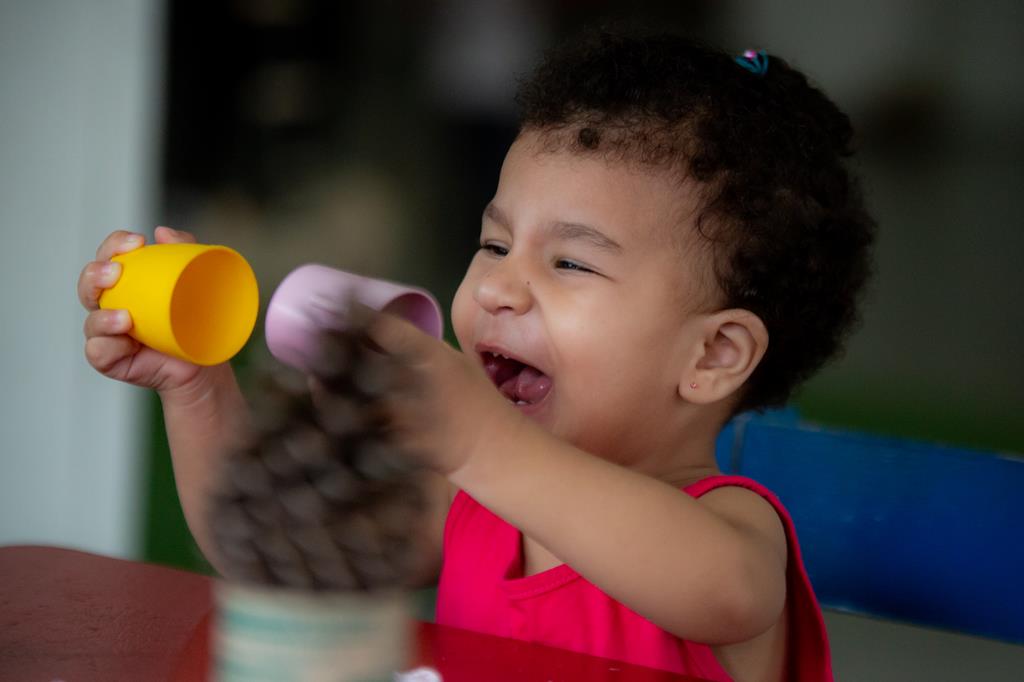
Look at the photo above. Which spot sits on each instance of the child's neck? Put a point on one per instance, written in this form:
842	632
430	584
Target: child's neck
680	454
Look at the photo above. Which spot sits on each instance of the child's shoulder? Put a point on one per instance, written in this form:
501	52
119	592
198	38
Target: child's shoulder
744	505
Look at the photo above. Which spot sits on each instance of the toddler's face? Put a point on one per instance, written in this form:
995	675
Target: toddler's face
580	285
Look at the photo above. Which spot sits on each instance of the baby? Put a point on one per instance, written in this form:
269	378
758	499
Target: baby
674	239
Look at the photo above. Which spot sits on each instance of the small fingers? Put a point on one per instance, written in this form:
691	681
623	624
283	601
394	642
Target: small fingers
167	235
117	242
96	277
107	323
103	352
397	337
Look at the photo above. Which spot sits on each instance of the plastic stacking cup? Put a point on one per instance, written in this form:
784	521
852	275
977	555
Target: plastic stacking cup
315	297
197	302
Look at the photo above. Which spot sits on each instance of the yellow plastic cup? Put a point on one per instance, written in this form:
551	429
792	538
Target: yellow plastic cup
197	302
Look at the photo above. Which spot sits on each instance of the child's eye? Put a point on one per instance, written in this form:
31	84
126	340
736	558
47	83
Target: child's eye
564	264
494	249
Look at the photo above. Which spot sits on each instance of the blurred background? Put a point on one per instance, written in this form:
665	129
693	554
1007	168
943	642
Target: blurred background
369	135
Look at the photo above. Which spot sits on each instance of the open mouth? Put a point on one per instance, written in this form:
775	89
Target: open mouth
522	384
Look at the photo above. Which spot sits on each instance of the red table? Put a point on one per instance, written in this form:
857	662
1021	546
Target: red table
79	617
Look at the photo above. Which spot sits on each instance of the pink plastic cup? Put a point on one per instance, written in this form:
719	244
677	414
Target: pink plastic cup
315	297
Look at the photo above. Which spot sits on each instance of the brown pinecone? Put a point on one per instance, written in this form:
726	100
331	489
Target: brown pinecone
322	498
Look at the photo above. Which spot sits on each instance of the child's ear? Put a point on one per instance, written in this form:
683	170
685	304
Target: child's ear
733	343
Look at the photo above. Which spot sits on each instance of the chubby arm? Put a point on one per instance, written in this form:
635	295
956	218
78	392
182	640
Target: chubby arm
711	571
205	420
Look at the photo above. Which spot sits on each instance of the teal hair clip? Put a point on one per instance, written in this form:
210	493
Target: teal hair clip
754	62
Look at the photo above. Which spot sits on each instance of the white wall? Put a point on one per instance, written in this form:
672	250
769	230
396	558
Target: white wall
80	84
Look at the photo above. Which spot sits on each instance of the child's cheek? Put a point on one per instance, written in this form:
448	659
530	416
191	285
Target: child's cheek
462	316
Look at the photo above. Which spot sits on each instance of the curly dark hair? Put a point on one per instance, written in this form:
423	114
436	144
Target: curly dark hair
789	236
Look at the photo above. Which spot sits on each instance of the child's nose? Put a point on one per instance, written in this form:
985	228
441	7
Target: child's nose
504	288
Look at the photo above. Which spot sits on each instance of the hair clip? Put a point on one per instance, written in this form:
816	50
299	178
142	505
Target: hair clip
754	62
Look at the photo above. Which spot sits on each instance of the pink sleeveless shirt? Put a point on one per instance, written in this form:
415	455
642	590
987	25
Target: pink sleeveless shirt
481	589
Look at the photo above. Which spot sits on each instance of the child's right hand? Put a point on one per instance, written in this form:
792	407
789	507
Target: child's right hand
108	347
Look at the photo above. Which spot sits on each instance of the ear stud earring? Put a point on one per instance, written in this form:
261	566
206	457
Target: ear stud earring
693	384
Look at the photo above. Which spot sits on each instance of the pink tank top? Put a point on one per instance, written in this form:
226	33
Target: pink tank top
481	589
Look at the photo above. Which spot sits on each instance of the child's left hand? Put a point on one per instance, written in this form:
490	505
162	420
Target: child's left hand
450	405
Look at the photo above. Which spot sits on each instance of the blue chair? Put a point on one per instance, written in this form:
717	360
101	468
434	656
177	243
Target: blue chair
896	529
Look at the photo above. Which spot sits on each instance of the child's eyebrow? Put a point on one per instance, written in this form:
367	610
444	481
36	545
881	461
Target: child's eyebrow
562	230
